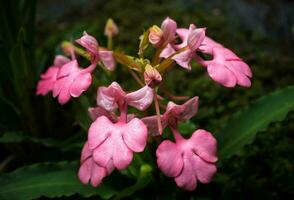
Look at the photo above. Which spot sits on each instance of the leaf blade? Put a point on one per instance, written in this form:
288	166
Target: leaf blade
50	180
244	125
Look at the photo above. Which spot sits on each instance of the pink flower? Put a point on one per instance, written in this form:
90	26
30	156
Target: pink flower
151	76
228	69
225	68
208	45
99	111
194	39
116	142
160	37
111	28
173	115
72	81
188	160
113	97
97	53
90	171
45	85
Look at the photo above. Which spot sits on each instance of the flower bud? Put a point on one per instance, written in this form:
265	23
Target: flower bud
111	28
155	35
152	76
89	42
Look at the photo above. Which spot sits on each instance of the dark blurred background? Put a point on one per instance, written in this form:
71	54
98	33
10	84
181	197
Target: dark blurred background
261	32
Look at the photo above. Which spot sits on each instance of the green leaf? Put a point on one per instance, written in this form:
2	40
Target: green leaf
187	128
49	180
244	125
21	137
143	180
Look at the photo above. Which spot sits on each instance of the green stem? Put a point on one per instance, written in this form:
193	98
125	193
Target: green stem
109	42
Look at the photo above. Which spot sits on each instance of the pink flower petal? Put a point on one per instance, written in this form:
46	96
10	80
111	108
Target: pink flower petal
204	145
204	171
98	173
182	112
167	51
140	99
107	59
122	155
135	135
168	28
242	79
208	44
242	67
85	171
51	73
221	74
152	126
183	34
80	84
99	130
169	158
195	37
86	152
225	54
64	85
103	153
46	84
60	60
107	97
89	42
99	111
187	179
68	68
183	59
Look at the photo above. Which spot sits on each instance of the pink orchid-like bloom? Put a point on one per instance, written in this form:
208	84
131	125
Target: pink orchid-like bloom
115	140
188	160
160	37
194	40
174	114
225	68
97	53
90	171
113	97
72	81
152	77
45	85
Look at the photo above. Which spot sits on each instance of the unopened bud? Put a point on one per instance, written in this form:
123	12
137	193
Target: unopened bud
152	76
155	35
89	42
111	28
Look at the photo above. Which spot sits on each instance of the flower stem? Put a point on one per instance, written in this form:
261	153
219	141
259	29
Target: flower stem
157	109
123	112
109	42
178	137
136	77
156	58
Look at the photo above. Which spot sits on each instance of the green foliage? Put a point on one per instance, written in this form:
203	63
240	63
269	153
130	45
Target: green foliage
143	180
242	128
18	137
49	180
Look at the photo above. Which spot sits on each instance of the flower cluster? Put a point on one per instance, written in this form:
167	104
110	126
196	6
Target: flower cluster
113	139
